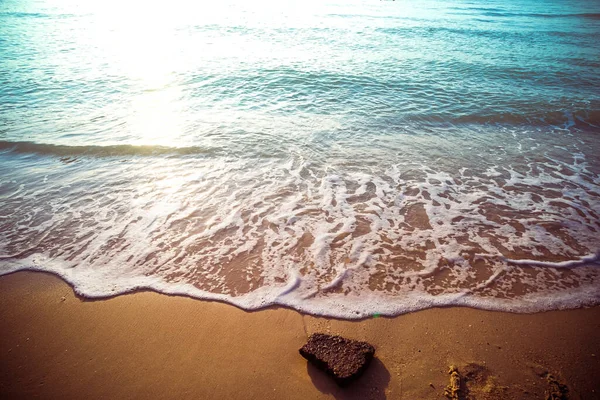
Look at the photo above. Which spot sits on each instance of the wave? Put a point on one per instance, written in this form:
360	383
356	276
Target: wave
581	119
577	120
504	229
34	15
498	12
469	31
98	151
595	16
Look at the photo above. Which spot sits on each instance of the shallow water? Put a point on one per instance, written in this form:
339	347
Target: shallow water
342	158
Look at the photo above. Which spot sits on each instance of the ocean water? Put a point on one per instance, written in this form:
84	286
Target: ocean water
343	158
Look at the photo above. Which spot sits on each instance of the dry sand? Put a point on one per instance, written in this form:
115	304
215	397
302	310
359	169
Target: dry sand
54	345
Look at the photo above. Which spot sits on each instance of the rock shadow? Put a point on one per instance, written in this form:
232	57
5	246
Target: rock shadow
370	386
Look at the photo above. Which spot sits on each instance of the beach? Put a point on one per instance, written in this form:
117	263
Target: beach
190	190
55	345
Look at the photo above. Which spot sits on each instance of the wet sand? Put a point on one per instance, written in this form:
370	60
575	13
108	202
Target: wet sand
55	345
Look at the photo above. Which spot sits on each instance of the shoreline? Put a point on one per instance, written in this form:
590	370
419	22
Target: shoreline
575	298
144	344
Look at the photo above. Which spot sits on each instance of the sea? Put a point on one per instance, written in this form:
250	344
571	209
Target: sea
347	159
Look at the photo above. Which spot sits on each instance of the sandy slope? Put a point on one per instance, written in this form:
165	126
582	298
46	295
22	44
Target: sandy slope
54	345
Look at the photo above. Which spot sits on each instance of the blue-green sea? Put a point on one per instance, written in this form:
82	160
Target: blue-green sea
343	158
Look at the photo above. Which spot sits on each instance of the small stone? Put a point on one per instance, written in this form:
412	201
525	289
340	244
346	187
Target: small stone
343	359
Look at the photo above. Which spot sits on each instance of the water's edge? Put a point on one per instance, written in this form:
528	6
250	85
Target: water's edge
255	302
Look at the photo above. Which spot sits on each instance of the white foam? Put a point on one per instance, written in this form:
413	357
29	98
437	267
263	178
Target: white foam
342	240
592	258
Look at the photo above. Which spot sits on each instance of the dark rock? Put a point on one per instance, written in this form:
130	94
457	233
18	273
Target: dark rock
344	359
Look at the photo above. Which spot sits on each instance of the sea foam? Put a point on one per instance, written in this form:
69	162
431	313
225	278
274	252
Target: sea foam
338	238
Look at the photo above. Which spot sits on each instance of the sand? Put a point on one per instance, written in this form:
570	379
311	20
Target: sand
55	345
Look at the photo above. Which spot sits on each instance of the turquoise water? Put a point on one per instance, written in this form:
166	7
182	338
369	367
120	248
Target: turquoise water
341	158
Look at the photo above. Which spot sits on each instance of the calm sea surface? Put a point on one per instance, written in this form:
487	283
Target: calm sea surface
341	158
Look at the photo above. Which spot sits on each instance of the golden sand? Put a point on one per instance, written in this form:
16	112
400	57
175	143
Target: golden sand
54	345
